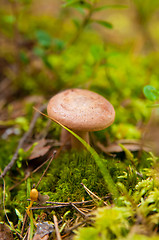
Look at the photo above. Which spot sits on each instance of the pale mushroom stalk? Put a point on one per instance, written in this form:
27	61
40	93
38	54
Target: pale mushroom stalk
75	142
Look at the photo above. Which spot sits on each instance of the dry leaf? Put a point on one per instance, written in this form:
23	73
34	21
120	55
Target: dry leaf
40	149
115	148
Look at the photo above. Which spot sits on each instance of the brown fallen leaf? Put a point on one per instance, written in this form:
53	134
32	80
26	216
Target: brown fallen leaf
17	108
115	148
40	149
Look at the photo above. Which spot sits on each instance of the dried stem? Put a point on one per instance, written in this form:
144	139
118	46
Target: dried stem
46	169
91	194
56	228
84	23
22	140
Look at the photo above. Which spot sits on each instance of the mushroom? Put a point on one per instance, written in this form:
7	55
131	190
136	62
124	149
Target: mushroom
81	111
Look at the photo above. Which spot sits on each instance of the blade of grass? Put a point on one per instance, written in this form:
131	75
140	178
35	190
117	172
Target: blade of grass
106	175
31	225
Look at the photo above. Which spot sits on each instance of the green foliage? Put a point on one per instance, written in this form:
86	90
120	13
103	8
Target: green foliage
43	38
103	23
110	223
22	122
20	218
117	222
125	131
6	150
23	155
151	93
106	175
67	172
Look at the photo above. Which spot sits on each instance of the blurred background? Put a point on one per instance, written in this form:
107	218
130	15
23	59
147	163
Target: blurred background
108	46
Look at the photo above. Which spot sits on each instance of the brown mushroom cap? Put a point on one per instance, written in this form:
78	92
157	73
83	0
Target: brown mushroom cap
81	110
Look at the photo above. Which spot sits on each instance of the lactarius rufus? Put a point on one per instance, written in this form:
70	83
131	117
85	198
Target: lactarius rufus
81	111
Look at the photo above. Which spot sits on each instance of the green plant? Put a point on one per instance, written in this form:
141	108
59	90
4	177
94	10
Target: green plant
151	93
110	223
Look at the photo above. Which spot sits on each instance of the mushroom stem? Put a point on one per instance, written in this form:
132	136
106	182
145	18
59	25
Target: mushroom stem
65	138
76	143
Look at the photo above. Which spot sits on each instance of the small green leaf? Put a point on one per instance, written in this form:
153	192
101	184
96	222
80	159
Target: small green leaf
104	23
128	154
69	3
76	22
77	3
60	44
20	216
151	93
108	7
43	38
22	154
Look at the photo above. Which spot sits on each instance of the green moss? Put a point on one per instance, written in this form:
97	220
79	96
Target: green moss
62	182
7	148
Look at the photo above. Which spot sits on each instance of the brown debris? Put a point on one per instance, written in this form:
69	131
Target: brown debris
37	237
39	150
5	232
129	144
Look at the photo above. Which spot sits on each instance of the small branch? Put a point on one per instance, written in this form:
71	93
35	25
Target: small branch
75	226
56	228
24	223
22	140
46	168
78	210
62	204
91	194
47	207
84	23
28	175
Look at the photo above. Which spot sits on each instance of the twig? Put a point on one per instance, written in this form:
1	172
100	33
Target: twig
47	207
92	194
84	23
27	234
56	228
24	223
62	204
18	183
54	152
22	140
75	226
28	175
83	214
81	203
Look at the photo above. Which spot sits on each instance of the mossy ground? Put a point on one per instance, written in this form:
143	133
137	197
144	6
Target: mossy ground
62	182
65	175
